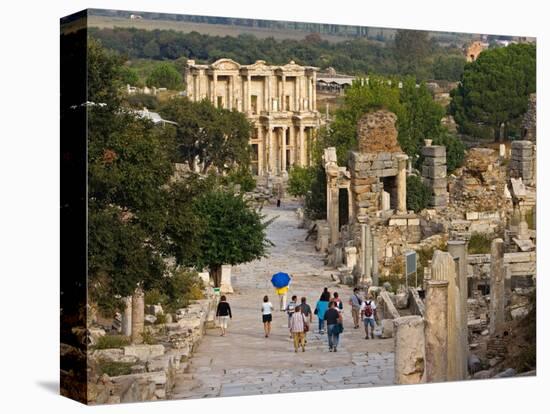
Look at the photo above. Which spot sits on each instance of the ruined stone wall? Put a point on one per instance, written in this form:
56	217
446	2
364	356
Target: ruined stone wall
376	132
366	186
434	174
522	163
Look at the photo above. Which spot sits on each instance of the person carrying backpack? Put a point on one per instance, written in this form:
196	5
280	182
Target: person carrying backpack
368	313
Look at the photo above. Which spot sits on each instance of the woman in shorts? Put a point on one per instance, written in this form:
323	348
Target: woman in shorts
267	309
223	313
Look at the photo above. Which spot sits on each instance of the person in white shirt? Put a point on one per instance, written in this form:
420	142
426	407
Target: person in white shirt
368	313
267	309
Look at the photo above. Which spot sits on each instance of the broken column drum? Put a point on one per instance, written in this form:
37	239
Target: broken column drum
436	330
138	316
408	333
434	174
459	251
444	268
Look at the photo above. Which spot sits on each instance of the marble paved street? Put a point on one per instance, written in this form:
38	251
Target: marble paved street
245	362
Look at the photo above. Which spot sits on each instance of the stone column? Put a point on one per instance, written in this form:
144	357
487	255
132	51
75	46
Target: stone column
283	148
267	100
366	247
409	343
283	97
215	89
401	184
497	287
375	273
270	158
261	138
302	147
138	316
314	91
332	216
309	93
295	100
127	317
195	93
248	99
436	330
351	257
459	250
231	92
444	268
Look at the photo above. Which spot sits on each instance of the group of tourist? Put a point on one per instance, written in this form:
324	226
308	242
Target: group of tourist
329	308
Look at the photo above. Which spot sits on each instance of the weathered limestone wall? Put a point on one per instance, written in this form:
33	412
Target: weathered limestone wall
434	174
522	163
410	353
436	330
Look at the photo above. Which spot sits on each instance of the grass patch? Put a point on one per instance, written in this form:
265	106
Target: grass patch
480	243
148	337
112	341
114	369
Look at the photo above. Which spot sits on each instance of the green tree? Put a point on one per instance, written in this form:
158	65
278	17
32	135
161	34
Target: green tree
234	233
207	136
449	68
494	90
165	75
455	150
412	48
151	49
300	180
420	118
316	197
129	76
418	194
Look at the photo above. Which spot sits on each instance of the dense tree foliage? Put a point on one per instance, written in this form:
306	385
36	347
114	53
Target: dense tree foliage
449	68
207	136
300	180
316	197
137	215
233	232
418	117
165	75
412	49
494	90
418	194
413	53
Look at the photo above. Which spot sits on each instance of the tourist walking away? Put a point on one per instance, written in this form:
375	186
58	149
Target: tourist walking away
298	329
337	302
320	309
267	310
223	312
334	326
368	313
306	311
290	308
325	296
355	302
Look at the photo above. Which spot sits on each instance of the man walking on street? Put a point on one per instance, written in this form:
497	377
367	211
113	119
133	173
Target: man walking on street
298	328
368	312
355	302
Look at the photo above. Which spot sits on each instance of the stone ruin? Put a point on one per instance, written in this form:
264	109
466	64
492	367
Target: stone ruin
455	323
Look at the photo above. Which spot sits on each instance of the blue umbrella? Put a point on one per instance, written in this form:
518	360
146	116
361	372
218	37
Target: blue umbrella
280	280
